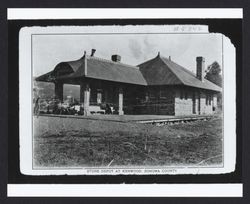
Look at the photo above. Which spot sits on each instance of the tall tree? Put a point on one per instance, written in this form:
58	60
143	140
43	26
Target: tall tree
213	73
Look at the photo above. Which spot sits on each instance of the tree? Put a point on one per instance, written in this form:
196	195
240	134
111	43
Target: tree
213	73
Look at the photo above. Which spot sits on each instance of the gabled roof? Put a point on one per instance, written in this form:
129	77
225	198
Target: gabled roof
114	71
157	71
162	71
98	68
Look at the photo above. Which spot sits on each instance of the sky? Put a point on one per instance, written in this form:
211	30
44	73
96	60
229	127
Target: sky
49	50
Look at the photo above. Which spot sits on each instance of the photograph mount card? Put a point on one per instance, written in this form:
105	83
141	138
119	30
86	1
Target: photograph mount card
130	100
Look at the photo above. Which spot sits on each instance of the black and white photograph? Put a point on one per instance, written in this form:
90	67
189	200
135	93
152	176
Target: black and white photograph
126	100
125	103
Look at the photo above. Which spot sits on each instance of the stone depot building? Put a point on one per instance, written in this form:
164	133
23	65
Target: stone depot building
158	86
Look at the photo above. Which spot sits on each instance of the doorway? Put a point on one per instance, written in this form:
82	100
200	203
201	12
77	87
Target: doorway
194	103
199	103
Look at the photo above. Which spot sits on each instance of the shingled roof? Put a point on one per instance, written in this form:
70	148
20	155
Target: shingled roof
98	68
114	71
157	71
162	71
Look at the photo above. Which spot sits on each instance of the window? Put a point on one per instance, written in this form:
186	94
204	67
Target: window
181	94
146	97
208	99
152	93
186	95
99	97
163	93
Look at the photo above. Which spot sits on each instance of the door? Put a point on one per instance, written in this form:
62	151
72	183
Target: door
194	103
99	97
199	103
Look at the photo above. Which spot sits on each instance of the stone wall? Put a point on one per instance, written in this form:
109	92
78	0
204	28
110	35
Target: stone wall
158	100
206	106
183	102
189	101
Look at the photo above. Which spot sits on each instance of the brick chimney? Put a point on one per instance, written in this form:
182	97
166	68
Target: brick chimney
116	58
200	68
92	52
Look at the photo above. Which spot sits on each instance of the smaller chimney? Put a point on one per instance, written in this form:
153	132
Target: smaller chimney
92	52
169	58
116	58
85	63
200	68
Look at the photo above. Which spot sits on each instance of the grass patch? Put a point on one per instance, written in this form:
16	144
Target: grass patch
78	142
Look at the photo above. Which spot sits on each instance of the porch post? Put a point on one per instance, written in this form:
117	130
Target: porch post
85	97
215	100
120	110
82	92
59	90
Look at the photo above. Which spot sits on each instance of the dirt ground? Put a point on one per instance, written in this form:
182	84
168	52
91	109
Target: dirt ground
81	142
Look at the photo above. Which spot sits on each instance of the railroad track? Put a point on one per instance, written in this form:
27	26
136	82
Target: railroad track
170	121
